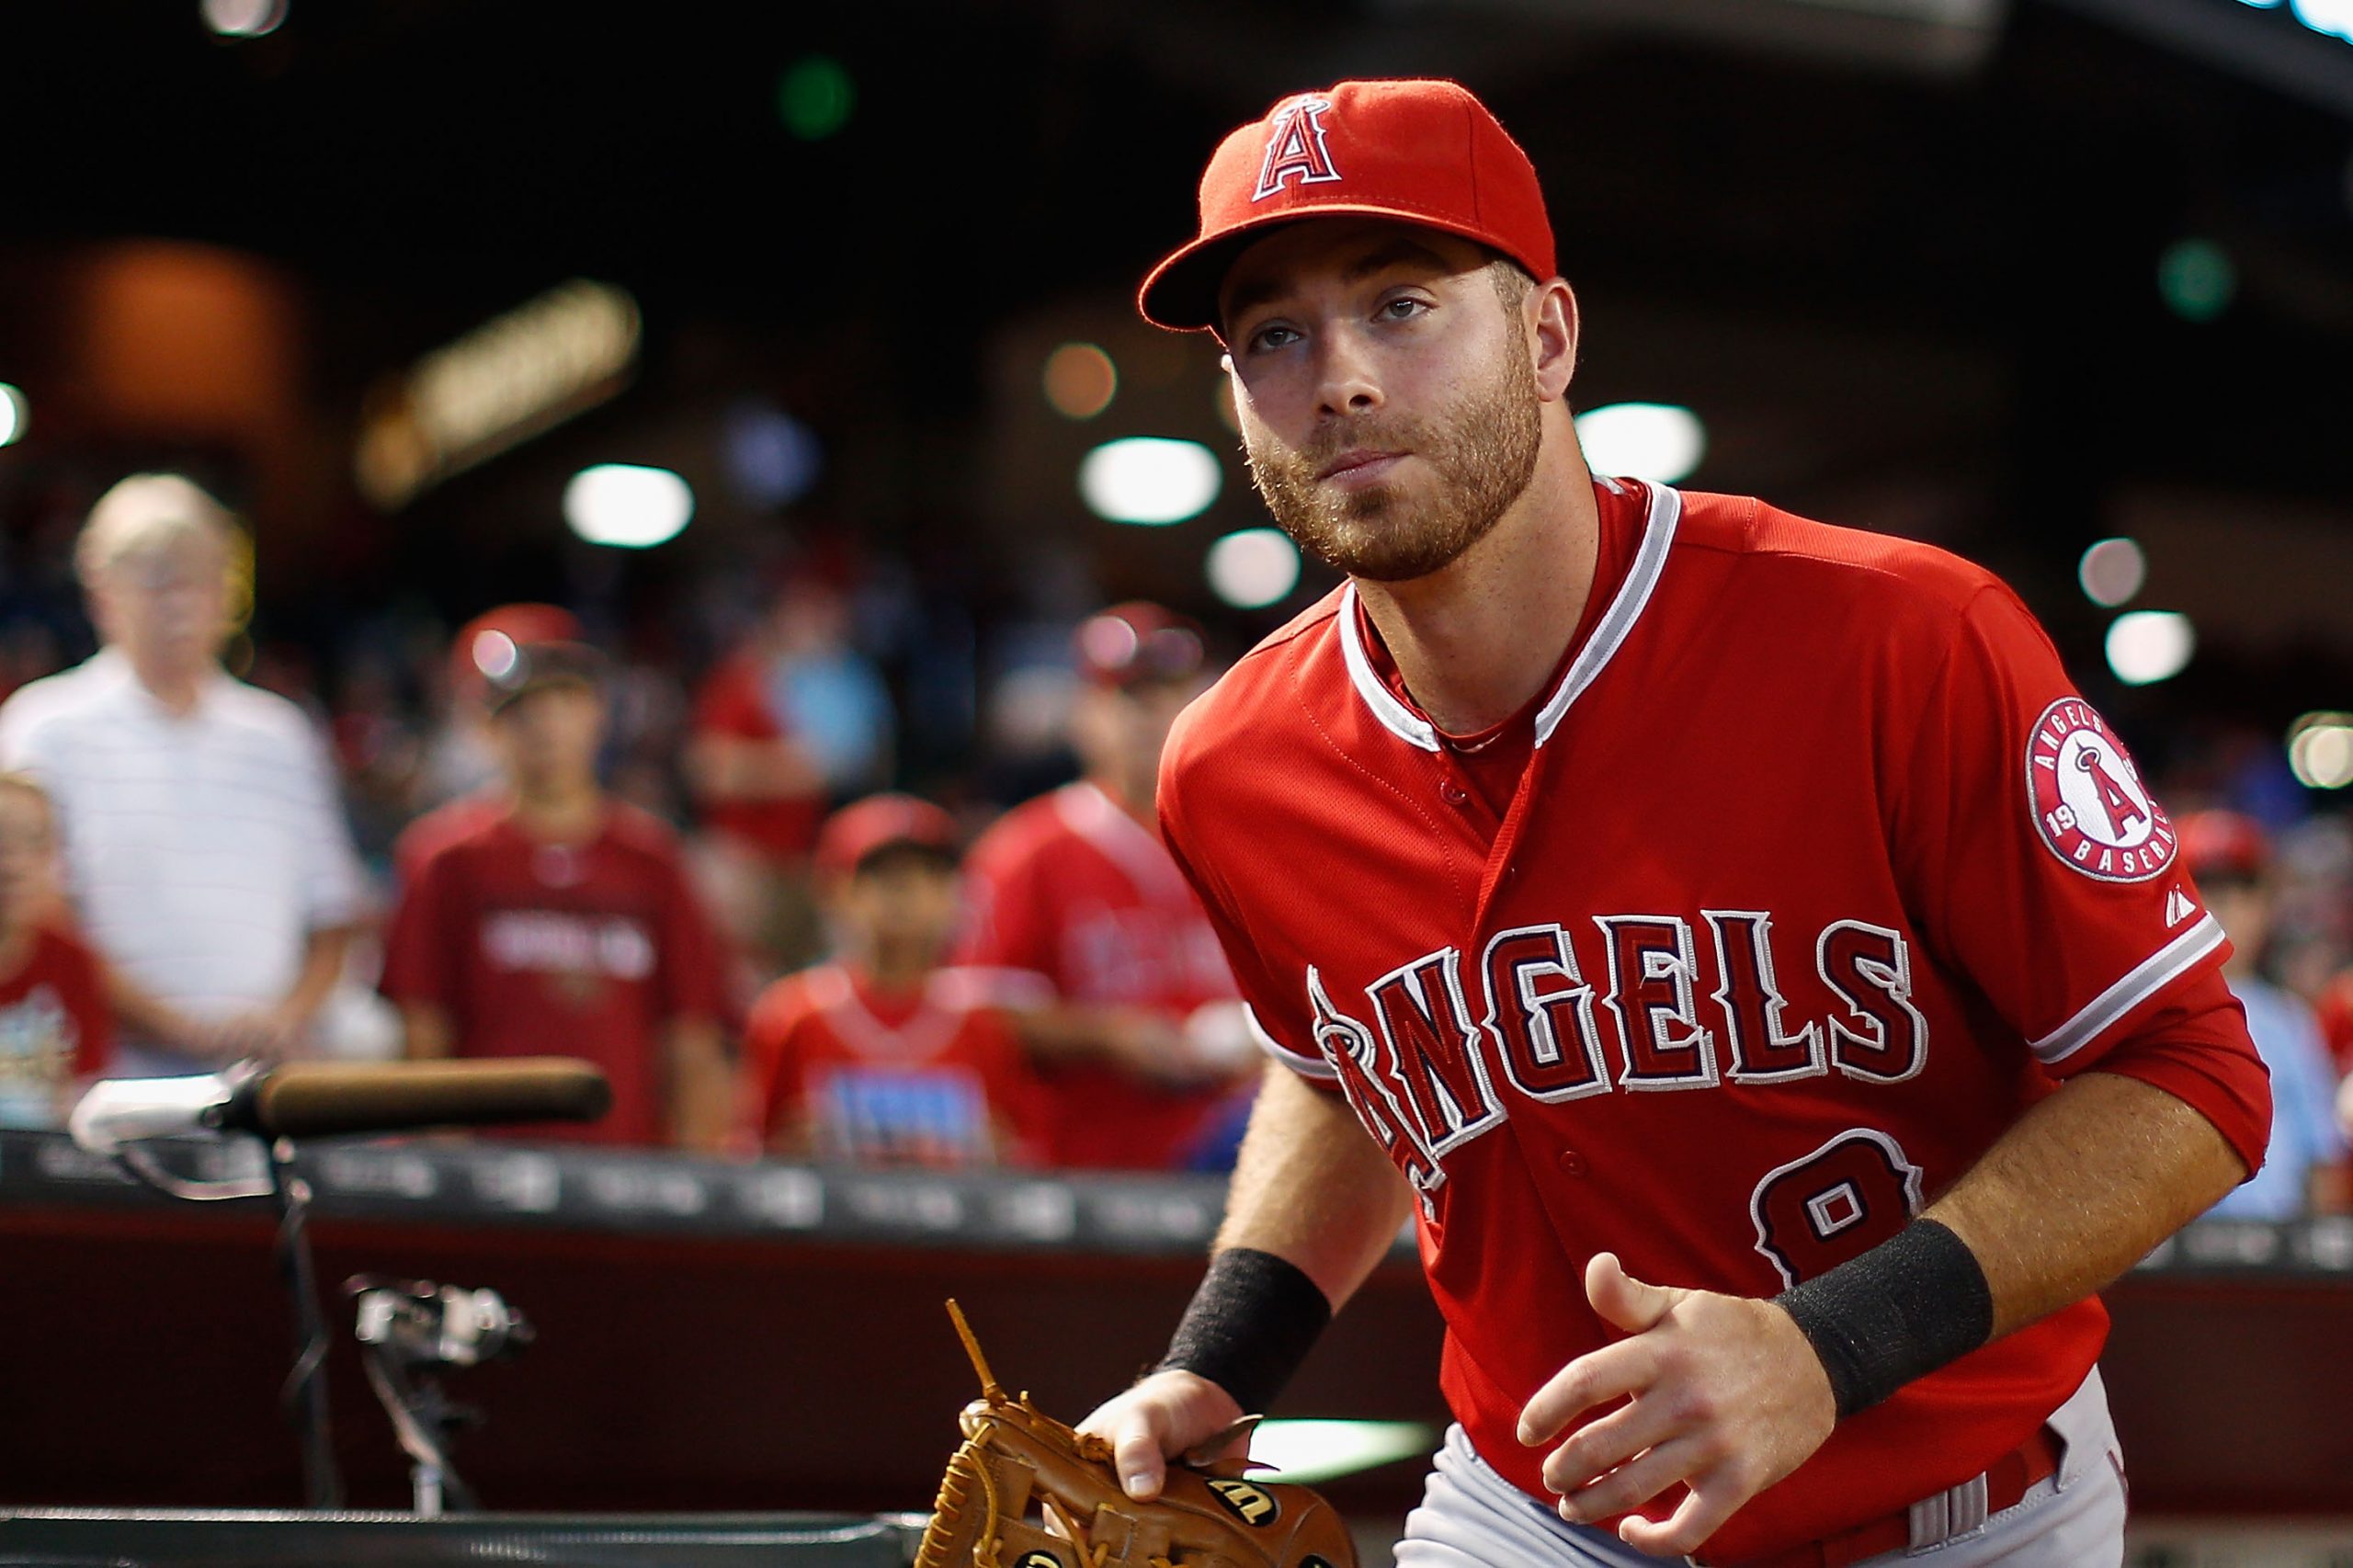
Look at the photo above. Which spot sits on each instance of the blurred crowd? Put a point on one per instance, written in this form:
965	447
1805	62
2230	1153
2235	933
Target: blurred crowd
711	877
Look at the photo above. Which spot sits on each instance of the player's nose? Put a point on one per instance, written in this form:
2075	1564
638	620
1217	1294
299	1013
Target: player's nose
1345	378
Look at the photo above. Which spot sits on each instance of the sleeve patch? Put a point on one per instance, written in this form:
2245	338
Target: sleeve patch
2090	807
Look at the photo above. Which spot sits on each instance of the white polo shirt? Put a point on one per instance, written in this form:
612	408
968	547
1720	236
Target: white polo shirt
200	849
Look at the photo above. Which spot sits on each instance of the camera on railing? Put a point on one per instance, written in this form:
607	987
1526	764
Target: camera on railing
424	1324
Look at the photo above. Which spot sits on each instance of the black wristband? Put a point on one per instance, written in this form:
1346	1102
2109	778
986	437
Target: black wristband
1910	1305
1249	1326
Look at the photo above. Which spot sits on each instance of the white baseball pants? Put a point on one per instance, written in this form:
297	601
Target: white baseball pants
1472	1517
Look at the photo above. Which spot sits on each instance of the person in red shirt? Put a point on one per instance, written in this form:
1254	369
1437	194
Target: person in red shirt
792	718
1761	978
549	918
55	1028
1141	1042
883	1056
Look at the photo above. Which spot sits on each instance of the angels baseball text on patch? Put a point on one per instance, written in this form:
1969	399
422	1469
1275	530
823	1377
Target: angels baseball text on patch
2089	804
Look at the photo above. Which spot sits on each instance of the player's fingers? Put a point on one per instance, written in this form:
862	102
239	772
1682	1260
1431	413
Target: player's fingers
1634	1484
1599	1446
1139	1455
1623	1301
1592	1378
1713	1496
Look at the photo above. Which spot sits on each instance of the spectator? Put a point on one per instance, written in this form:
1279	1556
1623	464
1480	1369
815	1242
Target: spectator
2304	1166
1143	1048
54	1028
205	849
549	917
794	718
884	1057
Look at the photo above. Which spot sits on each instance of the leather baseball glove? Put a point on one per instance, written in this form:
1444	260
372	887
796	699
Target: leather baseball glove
1024	1491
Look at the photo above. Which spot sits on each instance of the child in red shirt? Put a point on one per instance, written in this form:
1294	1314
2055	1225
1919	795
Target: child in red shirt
884	1057
55	1030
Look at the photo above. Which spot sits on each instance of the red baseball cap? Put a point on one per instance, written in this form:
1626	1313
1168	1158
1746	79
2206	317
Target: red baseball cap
503	653
1136	644
882	822
1426	151
2223	844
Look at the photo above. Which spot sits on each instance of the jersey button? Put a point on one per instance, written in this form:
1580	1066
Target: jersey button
1454	794
1571	1162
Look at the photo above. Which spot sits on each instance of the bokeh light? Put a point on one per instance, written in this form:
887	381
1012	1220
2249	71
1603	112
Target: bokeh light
772	458
2197	278
1149	480
2112	570
244	19
2149	645
627	507
15	414
1654	441
2320	750
1254	568
814	97
1081	380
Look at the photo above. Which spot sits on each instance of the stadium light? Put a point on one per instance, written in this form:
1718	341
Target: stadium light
15	414
1655	441
2149	645
1081	380
627	507
244	19
1149	480
2320	750
2112	570
1254	568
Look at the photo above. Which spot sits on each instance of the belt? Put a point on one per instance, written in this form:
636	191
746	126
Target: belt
2008	1481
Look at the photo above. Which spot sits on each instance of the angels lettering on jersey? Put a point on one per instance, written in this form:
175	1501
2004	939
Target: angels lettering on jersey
1631	1004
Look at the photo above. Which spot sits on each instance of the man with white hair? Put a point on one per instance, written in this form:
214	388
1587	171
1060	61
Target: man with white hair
206	850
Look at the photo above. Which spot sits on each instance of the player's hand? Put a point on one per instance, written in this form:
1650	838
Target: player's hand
1722	1393
1168	1413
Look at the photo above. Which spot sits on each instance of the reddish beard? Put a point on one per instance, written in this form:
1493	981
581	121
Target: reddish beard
1482	454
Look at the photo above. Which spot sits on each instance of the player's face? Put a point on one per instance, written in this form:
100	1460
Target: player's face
28	854
548	736
1118	732
1386	391
904	899
167	607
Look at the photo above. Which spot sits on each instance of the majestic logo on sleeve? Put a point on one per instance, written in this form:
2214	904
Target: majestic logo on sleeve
1295	149
2089	804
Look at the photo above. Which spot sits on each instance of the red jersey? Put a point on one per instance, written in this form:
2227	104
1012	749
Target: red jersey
838	1070
56	1026
1819	874
1071	887
735	700
533	949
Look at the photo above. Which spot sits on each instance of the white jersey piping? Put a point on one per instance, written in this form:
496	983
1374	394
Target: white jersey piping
2148	977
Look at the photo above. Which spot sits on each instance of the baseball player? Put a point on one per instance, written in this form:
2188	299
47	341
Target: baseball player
1764	981
549	915
1138	1037
886	1056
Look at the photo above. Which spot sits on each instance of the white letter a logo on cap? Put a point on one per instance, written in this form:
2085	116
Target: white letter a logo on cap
1295	147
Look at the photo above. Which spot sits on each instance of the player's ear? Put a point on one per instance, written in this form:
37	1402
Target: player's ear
1555	338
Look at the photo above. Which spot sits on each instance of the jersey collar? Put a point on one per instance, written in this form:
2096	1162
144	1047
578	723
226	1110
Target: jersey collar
1608	633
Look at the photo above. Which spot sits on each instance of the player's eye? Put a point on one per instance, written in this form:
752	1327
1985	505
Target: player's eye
1268	337
1404	307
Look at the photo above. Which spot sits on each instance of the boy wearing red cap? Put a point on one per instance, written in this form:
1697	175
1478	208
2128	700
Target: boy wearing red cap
1764	983
1137	1035
546	916
883	1057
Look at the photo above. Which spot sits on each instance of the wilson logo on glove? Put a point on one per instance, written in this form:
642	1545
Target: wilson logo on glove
1245	1502
1024	1491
